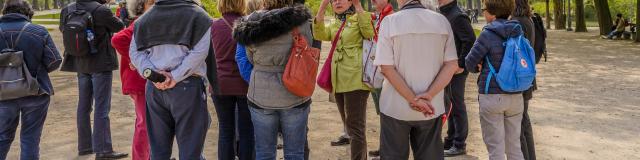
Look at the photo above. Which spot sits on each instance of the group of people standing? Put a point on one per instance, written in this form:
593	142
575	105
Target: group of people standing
425	57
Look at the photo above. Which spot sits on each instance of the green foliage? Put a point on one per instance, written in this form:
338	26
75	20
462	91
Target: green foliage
211	6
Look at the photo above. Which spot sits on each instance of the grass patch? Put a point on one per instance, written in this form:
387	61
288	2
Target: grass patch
46	22
47	16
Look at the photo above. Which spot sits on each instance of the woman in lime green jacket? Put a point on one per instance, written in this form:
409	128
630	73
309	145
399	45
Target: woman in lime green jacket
346	67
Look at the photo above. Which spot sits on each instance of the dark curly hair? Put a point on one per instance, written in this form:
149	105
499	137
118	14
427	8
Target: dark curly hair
17	6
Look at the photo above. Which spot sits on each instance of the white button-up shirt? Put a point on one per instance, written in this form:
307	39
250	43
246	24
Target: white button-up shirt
417	42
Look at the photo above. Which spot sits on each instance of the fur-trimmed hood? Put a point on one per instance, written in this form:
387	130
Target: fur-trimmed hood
262	26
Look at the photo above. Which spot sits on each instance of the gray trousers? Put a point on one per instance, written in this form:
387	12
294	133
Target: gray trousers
424	138
501	120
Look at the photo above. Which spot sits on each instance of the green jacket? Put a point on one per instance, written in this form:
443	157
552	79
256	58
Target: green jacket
346	67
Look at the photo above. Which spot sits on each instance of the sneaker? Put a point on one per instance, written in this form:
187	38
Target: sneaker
341	141
454	151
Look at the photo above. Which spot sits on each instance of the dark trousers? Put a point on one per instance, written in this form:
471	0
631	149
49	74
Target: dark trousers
526	135
226	108
180	112
424	138
31	113
458	122
353	111
95	88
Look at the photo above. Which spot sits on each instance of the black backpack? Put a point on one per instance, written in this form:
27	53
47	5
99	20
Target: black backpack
77	31
15	79
541	36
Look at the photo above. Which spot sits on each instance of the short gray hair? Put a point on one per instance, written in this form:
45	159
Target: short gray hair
136	7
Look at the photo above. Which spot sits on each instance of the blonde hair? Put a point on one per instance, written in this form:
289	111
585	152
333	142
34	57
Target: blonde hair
254	5
275	4
232	6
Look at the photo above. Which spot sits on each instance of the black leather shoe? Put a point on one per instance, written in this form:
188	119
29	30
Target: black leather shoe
112	155
84	153
447	144
374	153
341	141
454	151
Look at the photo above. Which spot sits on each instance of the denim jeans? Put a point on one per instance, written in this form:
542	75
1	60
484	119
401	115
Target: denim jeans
226	108
31	113
294	131
614	34
95	88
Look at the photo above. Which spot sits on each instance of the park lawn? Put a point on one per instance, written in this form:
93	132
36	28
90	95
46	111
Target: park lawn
47	16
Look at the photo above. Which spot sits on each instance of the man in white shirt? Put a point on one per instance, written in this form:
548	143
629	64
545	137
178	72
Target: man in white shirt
417	54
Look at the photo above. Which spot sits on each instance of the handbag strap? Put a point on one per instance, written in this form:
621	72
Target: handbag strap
336	38
17	39
227	22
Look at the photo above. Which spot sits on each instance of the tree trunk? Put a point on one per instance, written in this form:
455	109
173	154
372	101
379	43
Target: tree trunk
56	4
559	18
469	4
46	5
548	15
637	20
34	5
581	25
604	16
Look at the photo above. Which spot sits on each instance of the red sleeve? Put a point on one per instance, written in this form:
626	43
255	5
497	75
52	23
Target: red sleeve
122	40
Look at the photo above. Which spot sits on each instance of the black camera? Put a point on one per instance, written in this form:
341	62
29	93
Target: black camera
153	76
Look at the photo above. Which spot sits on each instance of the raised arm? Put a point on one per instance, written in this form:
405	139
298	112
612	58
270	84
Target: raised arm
320	31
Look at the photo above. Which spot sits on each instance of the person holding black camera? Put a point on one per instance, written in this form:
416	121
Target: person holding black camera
171	56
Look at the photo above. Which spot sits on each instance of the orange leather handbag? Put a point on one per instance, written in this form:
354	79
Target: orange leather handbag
300	73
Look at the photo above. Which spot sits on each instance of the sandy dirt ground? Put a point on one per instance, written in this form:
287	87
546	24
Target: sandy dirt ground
587	108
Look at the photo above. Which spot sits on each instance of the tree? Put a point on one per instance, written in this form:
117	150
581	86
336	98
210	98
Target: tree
604	16
559	18
638	21
46	4
34	5
581	25
548	15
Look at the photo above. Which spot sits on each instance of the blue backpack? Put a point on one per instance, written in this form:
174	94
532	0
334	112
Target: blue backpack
518	67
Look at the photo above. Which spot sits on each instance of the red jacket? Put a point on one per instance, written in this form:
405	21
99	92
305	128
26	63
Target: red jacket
132	82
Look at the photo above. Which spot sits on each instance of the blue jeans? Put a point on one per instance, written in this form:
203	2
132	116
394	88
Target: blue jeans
31	112
613	34
94	88
294	131
232	109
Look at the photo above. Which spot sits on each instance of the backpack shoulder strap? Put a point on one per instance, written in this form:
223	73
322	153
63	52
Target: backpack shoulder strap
492	72
13	45
20	34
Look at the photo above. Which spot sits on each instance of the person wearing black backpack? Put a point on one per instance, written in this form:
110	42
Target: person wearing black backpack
34	44
87	27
